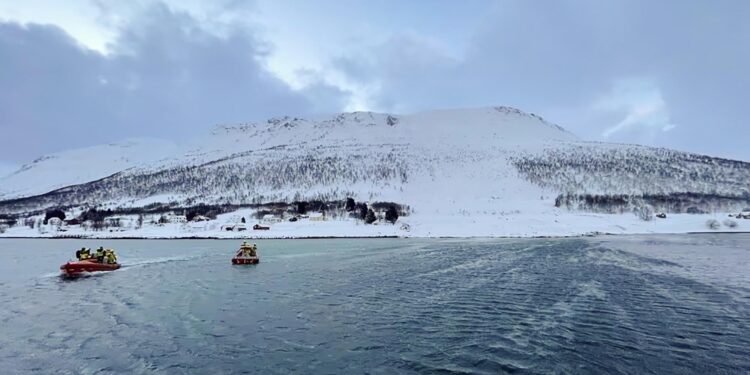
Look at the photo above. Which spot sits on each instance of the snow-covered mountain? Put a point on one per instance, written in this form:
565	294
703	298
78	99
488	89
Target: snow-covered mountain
82	165
462	165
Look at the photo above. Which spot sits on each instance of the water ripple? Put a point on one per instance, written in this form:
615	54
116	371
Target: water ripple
385	306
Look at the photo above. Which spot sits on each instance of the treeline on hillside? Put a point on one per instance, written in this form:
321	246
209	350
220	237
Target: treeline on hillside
389	211
238	180
333	208
686	202
624	169
98	218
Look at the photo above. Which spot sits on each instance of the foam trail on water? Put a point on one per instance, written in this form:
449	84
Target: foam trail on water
145	262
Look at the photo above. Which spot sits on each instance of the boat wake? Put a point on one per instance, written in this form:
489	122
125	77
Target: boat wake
132	264
135	263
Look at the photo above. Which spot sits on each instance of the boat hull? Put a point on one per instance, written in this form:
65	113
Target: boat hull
76	268
254	260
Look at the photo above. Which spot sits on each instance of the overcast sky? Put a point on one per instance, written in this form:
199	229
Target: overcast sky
85	72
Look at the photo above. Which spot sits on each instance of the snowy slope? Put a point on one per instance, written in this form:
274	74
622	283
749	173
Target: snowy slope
81	165
481	128
483	171
368	156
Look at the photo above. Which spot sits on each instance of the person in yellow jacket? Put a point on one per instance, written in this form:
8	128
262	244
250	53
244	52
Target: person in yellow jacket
85	253
110	256
246	250
100	254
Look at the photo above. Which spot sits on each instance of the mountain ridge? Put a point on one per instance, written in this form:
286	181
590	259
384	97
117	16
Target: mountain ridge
447	163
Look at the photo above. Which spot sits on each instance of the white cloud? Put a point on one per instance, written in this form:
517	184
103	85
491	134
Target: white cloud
165	76
642	104
76	17
553	59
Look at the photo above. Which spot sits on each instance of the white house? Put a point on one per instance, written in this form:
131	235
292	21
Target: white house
179	219
317	216
271	218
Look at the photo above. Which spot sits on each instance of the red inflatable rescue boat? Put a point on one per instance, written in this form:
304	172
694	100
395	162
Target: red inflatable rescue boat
247	254
88	265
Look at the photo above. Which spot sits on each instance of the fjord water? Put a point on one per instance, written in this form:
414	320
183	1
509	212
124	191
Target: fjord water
646	304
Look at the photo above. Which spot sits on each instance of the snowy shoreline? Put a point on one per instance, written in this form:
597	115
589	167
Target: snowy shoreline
553	224
372	237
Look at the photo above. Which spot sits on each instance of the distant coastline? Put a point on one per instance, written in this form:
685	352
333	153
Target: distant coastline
599	234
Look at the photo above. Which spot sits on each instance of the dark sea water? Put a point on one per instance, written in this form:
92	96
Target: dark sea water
609	305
